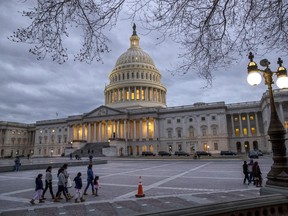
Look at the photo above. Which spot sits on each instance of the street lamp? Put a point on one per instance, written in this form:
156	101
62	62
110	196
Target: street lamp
278	175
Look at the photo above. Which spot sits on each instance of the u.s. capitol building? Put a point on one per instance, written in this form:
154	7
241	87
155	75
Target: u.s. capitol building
135	118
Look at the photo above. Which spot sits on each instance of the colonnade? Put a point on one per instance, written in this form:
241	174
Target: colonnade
135	93
250	124
102	131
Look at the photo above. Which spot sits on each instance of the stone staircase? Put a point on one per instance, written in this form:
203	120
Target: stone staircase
94	149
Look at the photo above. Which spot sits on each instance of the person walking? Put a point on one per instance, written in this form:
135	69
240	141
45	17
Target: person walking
17	163
257	174
48	183
38	189
250	172
96	185
61	186
245	172
78	188
66	174
90	178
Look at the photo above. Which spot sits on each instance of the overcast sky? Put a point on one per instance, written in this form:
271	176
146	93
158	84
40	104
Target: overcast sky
33	90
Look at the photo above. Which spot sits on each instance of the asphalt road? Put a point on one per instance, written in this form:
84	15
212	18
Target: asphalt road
167	184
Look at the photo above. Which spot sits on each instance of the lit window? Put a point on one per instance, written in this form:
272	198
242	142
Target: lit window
127	95
251	117
253	131
143	94
138	94
243	118
245	131
53	130
237	132
235	119
286	124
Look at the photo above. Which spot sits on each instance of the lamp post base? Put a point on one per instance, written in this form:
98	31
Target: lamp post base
268	190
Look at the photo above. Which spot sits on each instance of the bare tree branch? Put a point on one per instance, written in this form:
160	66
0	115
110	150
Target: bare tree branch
211	33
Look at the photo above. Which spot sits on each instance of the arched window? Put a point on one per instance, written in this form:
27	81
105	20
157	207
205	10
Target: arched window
204	130
191	132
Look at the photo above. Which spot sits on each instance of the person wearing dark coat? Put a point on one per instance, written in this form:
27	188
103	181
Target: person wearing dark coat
245	172
90	178
78	188
39	188
257	174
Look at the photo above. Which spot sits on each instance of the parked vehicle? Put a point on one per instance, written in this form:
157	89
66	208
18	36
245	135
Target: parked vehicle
253	154
181	153
260	153
164	153
228	153
147	153
203	153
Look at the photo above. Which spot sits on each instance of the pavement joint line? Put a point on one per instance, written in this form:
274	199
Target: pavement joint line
144	205
119	207
62	213
137	170
156	184
91	210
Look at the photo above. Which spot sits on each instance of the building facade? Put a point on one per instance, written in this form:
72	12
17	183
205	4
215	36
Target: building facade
135	118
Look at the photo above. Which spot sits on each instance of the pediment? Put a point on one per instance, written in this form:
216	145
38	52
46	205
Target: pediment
102	111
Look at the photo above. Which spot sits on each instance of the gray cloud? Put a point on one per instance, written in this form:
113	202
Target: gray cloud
34	90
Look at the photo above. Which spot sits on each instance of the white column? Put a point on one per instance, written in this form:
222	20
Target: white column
94	136
118	131
89	132
106	131
130	94
83	131
134	130
257	125
233	127
147	129
113	131
240	122
248	124
100	131
71	133
140	129
125	137
155	129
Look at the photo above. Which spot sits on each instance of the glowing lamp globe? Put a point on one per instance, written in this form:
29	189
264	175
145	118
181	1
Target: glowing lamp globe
282	82
254	78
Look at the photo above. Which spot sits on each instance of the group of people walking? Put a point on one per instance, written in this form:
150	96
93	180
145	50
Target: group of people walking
252	173
64	182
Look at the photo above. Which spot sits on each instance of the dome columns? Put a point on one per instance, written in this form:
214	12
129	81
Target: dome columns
135	93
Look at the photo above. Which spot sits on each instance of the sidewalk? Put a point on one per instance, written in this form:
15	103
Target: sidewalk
7	165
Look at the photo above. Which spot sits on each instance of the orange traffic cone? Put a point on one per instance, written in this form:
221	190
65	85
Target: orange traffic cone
140	189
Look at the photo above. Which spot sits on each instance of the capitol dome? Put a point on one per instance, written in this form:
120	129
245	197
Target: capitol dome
135	80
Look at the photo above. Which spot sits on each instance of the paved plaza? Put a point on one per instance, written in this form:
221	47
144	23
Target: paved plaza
167	184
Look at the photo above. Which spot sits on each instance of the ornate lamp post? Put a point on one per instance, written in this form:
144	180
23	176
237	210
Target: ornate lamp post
278	175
